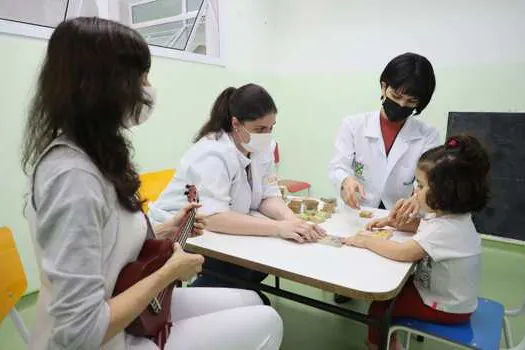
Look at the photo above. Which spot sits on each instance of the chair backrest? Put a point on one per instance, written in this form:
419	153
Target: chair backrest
13	280
152	185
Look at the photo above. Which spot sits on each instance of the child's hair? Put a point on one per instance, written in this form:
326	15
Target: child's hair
457	175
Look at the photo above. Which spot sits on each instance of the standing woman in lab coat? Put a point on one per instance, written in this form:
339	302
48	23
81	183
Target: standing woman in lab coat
376	152
231	164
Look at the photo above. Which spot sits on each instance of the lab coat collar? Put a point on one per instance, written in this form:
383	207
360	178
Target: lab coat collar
243	160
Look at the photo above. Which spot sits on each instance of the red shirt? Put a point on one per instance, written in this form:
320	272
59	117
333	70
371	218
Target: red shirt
389	130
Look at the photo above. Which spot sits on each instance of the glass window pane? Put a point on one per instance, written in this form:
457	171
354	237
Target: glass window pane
47	13
86	8
156	9
193	5
198	44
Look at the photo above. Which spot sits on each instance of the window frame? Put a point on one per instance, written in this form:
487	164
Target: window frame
43	32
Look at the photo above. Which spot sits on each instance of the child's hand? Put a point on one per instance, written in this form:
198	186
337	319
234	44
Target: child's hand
404	211
378	224
360	240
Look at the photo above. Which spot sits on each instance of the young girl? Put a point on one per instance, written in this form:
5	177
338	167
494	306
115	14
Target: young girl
451	184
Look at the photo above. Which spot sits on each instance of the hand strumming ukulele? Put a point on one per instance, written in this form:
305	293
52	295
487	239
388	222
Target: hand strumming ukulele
154	322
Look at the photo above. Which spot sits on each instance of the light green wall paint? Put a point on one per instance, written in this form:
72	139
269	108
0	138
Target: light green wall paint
311	108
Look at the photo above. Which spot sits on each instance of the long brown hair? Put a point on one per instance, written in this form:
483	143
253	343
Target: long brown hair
247	103
90	80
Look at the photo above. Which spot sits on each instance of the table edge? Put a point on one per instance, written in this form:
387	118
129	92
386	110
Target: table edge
326	286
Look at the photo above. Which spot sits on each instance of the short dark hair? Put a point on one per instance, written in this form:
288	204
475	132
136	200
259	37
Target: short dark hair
247	103
457	175
90	81
411	74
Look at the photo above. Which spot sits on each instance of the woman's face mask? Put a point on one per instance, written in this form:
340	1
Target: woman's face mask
395	112
258	142
145	112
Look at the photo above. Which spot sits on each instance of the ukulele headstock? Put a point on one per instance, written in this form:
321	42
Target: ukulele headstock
191	194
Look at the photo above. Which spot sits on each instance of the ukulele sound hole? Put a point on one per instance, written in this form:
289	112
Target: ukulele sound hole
155	306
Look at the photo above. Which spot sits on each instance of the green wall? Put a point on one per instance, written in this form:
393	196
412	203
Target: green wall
311	107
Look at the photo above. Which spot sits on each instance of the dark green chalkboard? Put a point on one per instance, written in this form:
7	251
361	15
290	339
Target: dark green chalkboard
504	136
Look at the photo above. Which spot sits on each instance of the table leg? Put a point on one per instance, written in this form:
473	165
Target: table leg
385	323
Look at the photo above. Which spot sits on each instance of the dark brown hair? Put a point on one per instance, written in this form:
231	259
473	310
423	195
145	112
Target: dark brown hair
457	175
247	103
90	82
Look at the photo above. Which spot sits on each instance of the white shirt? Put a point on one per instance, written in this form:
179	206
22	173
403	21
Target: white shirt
219	171
448	277
360	152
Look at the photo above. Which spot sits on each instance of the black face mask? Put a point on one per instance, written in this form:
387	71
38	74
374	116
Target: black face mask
394	112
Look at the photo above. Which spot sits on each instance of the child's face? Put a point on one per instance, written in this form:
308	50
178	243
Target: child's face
422	190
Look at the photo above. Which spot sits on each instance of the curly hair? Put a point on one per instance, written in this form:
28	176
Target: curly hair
89	86
457	175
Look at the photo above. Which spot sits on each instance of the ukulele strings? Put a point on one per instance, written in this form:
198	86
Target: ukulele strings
186	230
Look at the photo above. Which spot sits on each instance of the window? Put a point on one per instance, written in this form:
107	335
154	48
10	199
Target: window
185	29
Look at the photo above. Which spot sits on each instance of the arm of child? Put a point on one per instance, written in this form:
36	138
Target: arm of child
407	251
409	227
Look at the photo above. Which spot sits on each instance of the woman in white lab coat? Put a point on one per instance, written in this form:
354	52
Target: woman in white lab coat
231	163
376	153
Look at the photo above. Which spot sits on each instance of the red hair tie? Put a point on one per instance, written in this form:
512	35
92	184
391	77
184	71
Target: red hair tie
453	143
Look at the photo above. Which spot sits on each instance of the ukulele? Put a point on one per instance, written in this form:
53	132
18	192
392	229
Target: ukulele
155	321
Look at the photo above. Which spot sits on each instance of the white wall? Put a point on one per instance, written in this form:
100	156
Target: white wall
327	56
342	35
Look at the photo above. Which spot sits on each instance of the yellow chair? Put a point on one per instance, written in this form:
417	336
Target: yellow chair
152	185
13	281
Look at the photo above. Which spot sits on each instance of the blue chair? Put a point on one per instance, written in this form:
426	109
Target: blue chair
483	331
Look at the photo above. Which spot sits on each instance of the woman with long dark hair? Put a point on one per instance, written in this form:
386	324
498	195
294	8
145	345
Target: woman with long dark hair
85	212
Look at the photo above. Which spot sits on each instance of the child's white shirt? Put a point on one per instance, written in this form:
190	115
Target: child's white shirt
448	277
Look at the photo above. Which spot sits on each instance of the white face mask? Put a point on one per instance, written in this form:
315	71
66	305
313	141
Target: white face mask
258	142
145	112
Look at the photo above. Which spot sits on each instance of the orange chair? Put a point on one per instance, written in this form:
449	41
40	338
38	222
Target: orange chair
292	186
13	282
152	185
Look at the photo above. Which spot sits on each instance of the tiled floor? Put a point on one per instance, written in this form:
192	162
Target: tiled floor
308	329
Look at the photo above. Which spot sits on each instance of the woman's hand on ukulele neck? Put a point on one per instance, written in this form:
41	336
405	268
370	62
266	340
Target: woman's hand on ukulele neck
171	227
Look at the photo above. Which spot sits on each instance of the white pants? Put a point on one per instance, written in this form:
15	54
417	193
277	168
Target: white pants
222	319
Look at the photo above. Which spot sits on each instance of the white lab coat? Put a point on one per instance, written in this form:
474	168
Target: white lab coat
359	146
218	170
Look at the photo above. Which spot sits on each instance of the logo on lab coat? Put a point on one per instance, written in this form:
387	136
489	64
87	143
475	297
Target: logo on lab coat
358	168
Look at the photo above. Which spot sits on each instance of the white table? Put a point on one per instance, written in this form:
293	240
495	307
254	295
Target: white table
349	271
